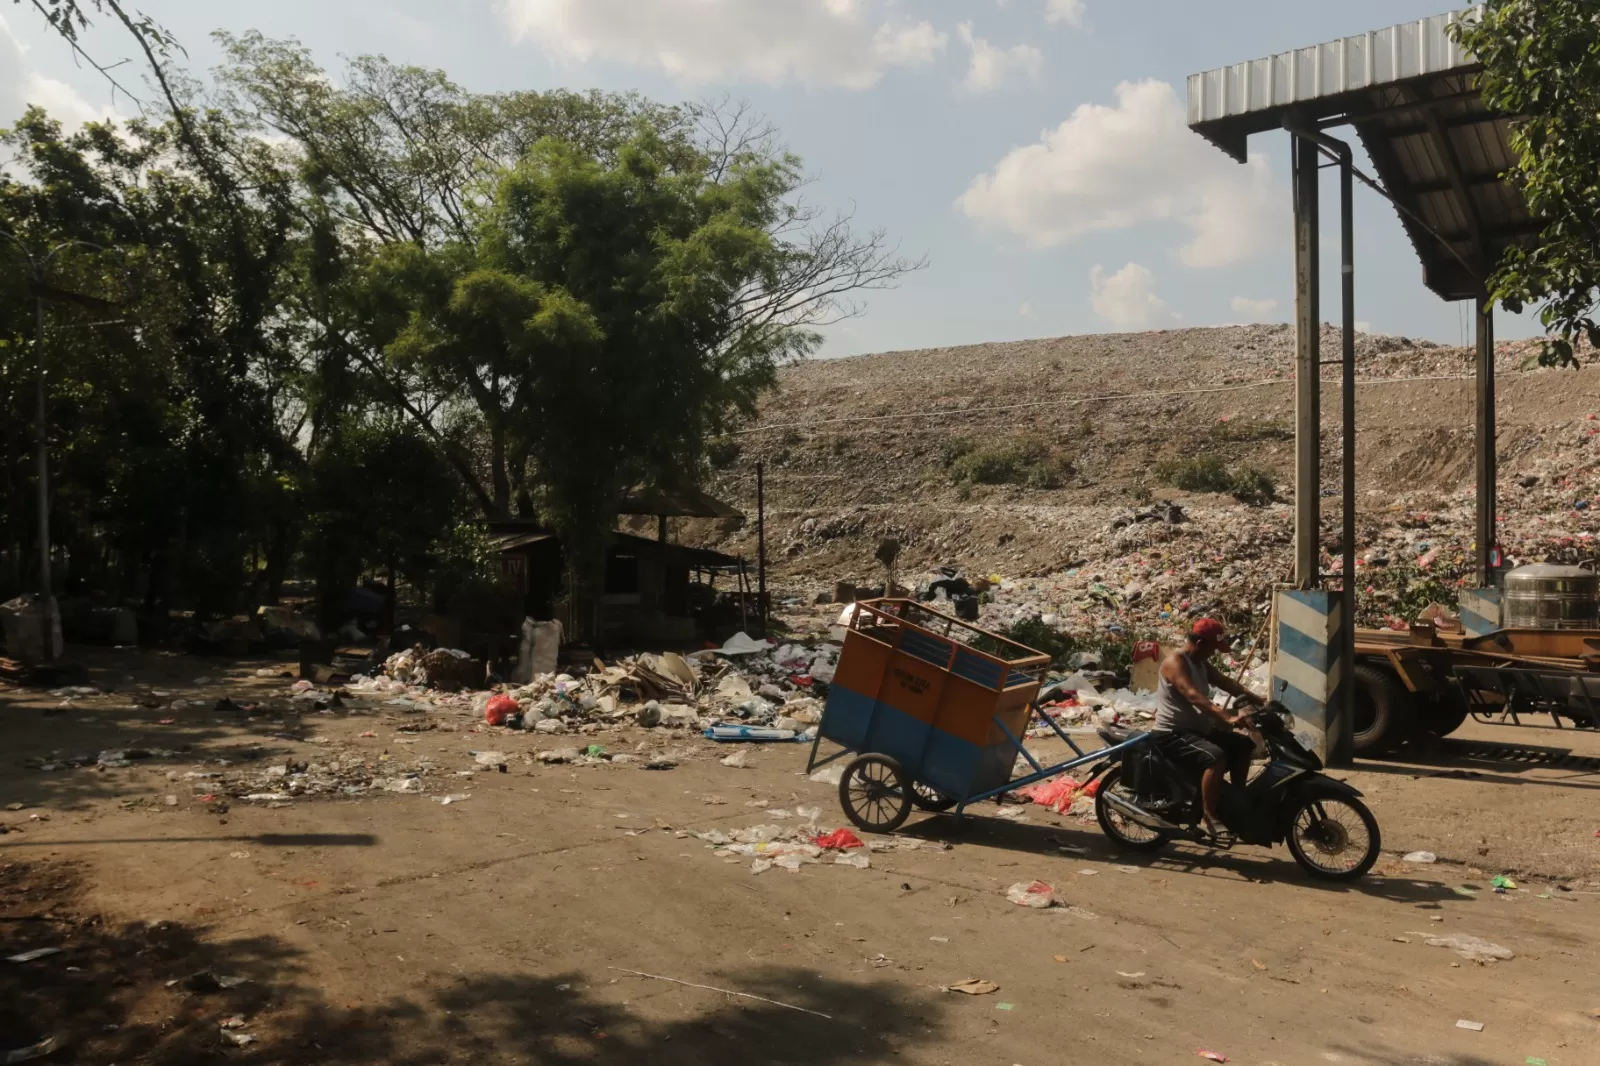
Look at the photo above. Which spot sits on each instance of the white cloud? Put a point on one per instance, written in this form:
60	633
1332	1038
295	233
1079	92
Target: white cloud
22	86
991	67
1026	310
1125	299
849	43
1255	310
1068	11
1113	168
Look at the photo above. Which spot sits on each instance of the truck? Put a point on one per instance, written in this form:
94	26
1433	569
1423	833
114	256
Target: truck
1543	659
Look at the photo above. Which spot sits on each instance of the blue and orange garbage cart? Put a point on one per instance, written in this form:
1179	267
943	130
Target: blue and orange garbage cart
935	711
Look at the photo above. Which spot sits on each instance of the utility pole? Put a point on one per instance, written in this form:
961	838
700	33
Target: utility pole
52	619
37	267
761	543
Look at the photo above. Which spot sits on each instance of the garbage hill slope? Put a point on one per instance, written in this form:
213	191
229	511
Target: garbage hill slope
1074	431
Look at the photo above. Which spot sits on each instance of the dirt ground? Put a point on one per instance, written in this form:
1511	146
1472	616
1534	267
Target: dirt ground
500	928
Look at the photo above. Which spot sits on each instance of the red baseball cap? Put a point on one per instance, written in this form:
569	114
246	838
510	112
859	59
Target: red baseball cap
1208	628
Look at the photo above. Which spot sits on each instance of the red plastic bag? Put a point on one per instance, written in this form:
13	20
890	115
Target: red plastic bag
499	708
1093	788
839	838
1056	793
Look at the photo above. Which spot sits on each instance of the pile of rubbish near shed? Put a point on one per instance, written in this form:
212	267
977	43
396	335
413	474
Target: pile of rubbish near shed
751	690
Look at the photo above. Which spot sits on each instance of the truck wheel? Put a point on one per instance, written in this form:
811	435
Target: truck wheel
1445	713
1383	712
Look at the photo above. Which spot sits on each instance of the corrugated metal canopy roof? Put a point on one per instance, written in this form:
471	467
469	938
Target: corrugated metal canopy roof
1409	92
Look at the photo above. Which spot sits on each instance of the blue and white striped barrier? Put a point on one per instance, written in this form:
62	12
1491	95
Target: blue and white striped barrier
1306	666
1480	612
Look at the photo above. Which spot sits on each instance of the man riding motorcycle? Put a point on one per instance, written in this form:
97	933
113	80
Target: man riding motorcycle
1191	729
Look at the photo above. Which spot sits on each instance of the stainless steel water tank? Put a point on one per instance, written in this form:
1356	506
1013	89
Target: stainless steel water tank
1545	596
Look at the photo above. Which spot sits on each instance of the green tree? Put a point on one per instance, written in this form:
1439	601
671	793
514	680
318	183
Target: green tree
1541	63
564	294
167	407
595	319
382	498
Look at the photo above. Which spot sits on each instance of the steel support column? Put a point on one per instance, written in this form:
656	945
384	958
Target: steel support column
1487	535
1341	734
1308	367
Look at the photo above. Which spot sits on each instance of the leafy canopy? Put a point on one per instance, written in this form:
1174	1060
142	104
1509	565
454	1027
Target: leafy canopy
1541	61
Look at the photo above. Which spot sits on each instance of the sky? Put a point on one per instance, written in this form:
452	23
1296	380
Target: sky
1035	152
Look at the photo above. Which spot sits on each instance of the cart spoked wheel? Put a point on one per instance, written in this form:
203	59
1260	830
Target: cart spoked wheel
876	793
928	798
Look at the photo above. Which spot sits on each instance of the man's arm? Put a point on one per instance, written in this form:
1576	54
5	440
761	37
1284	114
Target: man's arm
1227	684
1173	670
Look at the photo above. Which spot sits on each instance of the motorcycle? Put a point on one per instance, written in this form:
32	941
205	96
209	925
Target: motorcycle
1146	800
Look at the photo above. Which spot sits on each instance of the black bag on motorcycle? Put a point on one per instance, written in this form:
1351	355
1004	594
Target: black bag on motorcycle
1136	768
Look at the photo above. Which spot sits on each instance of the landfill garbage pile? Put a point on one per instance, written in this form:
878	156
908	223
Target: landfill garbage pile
1076	705
441	667
1151	578
745	690
1098	551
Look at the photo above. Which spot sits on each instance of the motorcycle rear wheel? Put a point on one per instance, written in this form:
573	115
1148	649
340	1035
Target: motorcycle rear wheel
1125	834
1334	837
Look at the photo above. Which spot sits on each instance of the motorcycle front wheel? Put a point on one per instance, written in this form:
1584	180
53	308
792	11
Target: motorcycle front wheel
1334	837
1123	832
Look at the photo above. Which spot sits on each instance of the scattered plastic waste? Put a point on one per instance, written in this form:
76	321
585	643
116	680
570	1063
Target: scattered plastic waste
30	1052
1056	793
204	981
743	644
499	708
974	986
1420	857
832	774
839	838
1476	1027
1035	894
1470	947
748	732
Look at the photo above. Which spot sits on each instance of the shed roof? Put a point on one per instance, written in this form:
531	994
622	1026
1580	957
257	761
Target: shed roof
679	503
1410	92
675	554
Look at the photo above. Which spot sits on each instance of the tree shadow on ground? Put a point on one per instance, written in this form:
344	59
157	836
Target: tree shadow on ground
130	994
